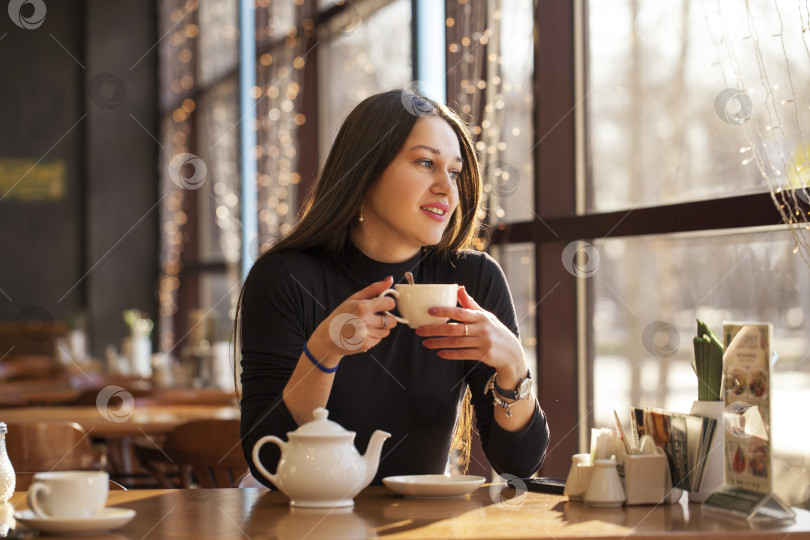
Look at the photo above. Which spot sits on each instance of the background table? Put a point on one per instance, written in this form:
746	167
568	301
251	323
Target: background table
151	419
69	390
489	512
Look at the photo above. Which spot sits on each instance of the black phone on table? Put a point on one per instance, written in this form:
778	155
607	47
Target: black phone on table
542	484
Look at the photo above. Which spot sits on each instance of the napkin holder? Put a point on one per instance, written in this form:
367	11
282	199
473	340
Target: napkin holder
646	477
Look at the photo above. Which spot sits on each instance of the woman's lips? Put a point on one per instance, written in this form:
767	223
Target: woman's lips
433	215
436	210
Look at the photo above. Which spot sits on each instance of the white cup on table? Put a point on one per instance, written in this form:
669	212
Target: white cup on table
68	494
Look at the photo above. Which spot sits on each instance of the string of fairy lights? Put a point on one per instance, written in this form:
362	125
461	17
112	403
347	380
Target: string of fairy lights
279	78
779	151
468	56
177	73
490	65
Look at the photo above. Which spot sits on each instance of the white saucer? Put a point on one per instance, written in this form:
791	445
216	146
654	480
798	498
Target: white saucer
433	485
106	520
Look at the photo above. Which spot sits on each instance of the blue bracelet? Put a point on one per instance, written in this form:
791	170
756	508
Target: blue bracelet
318	364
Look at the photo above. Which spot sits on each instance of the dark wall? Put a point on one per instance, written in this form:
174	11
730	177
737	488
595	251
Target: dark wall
74	90
42	104
122	156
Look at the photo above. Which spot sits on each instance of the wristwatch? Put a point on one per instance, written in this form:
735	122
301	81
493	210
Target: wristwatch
521	391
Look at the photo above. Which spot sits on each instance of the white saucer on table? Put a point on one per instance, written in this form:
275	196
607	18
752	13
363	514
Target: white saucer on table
433	485
106	520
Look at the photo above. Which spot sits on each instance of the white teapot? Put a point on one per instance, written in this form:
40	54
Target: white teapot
320	466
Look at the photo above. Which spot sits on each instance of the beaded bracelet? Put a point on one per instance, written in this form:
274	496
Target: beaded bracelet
507	407
497	399
318	364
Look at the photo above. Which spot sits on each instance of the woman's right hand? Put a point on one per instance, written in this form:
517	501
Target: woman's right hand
356	325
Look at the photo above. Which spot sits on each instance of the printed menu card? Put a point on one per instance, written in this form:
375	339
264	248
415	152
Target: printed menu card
748	488
748	406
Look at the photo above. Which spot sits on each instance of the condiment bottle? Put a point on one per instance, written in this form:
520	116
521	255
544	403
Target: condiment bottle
8	480
575	486
605	488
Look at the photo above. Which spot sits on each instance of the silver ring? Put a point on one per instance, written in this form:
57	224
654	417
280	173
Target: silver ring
466	330
384	320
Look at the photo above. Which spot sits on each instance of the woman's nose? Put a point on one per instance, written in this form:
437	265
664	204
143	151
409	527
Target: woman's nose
443	182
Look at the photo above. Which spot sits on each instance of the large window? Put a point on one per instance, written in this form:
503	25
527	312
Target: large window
200	225
690	101
693	100
364	52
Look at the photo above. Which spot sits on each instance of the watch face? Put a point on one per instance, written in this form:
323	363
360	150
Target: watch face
524	388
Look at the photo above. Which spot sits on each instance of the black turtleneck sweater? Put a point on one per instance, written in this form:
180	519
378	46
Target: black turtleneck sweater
398	386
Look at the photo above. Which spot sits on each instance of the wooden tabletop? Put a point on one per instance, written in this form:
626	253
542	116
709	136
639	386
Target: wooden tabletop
153	419
489	512
66	390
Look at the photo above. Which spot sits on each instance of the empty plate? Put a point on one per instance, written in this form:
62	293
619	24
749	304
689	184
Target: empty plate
433	485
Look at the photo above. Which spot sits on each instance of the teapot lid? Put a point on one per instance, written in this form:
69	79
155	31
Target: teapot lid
320	426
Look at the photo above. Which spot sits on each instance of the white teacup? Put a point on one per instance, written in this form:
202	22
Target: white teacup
68	494
413	302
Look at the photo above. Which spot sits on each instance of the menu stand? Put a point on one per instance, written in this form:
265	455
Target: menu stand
750	505
748	488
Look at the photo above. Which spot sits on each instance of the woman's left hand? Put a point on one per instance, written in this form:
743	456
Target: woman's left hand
478	335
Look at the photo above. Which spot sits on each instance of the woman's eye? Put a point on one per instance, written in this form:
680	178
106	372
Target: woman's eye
428	164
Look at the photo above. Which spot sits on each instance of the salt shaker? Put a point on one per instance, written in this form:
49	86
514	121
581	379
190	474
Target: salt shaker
8	480
574	485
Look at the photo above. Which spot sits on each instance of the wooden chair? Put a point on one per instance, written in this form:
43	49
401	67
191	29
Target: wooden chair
25	479
51	446
206	453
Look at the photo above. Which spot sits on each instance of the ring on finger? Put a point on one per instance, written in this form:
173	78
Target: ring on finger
466	330
384	320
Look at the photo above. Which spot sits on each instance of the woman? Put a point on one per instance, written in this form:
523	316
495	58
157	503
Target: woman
399	192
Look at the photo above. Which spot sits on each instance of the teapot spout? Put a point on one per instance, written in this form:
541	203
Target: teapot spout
372	455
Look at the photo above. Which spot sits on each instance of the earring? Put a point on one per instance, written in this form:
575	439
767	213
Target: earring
360	219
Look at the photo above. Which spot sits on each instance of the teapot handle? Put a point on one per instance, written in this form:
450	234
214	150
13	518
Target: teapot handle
256	447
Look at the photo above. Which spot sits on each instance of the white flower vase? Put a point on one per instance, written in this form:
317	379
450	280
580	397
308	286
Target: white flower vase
142	355
221	369
714	474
